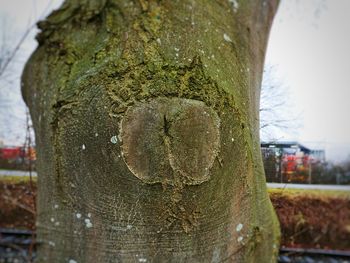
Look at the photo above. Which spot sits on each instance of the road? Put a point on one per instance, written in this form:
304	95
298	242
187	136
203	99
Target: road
269	185
16	173
310	186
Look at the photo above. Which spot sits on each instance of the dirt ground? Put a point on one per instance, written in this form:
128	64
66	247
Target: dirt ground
16	203
313	219
309	219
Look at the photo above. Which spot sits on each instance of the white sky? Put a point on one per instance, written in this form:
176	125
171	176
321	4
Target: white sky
309	47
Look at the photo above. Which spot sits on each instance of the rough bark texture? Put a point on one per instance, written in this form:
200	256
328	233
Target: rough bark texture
146	120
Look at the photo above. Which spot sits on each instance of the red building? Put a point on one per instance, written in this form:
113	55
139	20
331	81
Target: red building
13	157
289	161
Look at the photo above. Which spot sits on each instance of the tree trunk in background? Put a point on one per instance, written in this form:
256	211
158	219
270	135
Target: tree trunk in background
147	132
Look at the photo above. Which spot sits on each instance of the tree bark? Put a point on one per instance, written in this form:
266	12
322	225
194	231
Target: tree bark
147	132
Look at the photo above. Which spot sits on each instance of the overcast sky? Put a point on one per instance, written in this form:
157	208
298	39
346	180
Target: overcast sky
308	49
309	46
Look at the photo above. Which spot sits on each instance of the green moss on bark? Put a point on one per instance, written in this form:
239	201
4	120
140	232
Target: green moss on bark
99	59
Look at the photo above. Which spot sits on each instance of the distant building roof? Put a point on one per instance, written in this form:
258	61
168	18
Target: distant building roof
287	144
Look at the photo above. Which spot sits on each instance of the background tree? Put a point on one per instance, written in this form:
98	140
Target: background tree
277	113
147	131
13	54
9	77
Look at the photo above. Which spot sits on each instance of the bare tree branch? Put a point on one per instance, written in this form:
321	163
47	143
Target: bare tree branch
7	54
275	106
12	54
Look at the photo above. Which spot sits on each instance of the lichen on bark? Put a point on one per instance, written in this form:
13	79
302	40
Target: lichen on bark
108	75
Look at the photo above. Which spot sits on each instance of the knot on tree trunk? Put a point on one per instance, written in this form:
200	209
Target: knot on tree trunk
170	140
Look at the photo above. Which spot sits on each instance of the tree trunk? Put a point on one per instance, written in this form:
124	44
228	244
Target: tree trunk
147	132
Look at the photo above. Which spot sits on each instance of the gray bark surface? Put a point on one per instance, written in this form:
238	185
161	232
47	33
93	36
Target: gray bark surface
147	132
